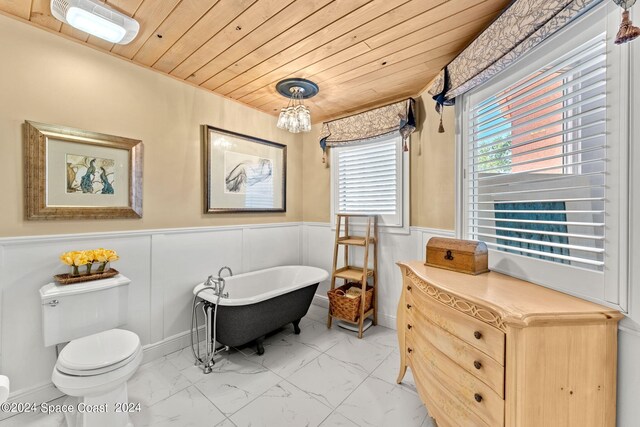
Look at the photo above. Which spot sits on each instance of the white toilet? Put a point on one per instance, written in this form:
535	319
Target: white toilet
93	368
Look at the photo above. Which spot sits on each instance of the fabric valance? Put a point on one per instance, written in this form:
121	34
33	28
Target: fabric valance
358	128
521	27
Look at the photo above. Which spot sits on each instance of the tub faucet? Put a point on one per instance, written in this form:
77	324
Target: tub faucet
223	269
213	283
222	283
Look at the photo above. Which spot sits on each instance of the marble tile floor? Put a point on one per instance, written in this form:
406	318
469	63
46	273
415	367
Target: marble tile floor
322	377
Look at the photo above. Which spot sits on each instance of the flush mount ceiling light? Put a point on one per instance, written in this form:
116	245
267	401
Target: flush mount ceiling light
96	18
296	117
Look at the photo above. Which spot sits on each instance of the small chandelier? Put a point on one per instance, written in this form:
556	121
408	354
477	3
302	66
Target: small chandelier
296	117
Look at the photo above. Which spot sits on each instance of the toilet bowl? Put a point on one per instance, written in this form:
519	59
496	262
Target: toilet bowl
93	371
99	358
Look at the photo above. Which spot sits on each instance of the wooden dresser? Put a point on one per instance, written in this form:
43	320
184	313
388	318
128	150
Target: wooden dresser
492	350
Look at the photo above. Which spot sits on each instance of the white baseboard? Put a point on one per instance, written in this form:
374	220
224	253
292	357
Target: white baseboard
168	345
321	300
47	392
383	319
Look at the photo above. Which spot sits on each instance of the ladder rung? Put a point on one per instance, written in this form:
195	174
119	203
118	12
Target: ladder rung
351	273
366	314
355	240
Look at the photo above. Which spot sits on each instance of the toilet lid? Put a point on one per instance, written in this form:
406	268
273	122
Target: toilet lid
98	351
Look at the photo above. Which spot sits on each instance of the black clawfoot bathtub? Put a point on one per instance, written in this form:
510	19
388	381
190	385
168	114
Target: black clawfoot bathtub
263	301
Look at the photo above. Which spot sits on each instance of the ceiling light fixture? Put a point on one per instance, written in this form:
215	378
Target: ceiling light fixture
296	117
96	18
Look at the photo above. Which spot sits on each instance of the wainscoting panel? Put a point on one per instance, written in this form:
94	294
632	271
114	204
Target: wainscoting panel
628	377
272	246
180	261
318	250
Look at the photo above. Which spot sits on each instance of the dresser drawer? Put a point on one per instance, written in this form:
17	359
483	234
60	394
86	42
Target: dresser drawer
467	357
480	335
473	393
449	410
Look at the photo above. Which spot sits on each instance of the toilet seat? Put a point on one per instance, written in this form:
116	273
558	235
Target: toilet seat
99	353
92	385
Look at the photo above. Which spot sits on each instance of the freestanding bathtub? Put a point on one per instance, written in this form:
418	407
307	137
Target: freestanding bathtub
262	301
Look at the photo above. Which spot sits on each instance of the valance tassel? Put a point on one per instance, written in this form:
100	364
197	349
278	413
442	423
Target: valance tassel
627	31
441	99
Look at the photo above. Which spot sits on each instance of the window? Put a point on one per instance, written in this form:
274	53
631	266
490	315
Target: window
543	150
370	179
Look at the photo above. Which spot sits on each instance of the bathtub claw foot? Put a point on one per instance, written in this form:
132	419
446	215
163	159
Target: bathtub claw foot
296	327
260	346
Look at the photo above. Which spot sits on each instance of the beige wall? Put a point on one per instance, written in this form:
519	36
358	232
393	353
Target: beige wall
316	180
432	172
433	168
48	79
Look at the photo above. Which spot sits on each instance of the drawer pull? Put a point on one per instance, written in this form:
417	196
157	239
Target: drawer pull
477	334
477	364
409	350
408	306
409	326
408	287
477	397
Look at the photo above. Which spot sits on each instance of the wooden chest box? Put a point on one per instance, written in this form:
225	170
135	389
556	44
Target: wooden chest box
464	256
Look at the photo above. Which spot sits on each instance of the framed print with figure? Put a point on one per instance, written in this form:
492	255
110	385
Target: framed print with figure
77	174
243	173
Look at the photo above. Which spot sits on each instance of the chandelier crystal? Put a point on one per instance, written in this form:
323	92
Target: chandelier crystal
295	117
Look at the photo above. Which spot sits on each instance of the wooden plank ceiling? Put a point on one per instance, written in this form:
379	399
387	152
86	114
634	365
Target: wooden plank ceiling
361	53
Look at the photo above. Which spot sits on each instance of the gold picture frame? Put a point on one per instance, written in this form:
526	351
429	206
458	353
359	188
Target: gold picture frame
78	174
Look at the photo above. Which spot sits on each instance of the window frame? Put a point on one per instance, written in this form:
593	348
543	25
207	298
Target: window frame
400	223
613	289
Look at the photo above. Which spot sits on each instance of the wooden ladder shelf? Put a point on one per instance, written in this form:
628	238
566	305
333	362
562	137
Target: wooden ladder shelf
350	273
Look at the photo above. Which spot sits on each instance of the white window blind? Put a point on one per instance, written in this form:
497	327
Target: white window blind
368	180
537	162
544	162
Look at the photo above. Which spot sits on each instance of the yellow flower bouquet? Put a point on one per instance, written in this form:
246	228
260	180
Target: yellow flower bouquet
103	257
77	259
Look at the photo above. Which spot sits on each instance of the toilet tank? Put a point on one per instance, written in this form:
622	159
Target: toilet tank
78	310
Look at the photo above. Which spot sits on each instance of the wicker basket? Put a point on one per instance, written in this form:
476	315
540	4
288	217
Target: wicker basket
347	308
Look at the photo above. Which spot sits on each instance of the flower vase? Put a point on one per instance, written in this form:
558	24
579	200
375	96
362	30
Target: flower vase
75	271
104	266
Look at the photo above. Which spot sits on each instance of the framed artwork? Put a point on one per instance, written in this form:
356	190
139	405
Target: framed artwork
243	173
77	174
